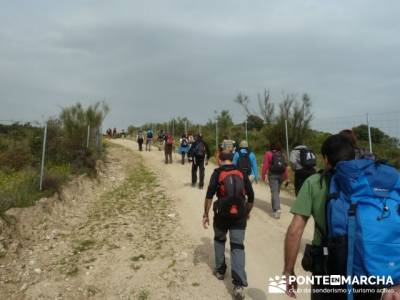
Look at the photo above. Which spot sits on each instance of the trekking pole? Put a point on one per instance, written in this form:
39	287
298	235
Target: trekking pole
43	157
287	138
173	127
369	134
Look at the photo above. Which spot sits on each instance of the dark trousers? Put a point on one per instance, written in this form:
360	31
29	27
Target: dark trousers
140	142
183	157
300	176
198	163
168	153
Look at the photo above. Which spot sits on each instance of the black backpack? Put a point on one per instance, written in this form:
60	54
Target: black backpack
244	163
308	159
278	163
231	194
200	149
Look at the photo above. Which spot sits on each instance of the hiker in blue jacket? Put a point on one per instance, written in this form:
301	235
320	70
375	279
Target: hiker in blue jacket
246	161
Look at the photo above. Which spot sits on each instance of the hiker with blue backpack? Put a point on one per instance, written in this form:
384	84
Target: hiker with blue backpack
199	154
183	147
302	161
355	207
274	165
235	197
245	160
149	139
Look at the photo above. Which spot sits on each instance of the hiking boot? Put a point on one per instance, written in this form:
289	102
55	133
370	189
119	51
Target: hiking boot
219	275
277	214
238	292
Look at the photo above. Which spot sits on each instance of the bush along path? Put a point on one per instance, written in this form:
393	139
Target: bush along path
114	237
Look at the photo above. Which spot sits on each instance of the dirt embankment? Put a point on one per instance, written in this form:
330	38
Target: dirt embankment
115	237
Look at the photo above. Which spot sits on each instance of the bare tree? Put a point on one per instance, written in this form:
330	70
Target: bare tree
244	102
267	108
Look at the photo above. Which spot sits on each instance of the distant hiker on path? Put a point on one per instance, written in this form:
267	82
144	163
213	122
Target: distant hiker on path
183	147
199	154
302	161
274	165
228	144
231	211
140	139
149	139
245	160
160	139
168	147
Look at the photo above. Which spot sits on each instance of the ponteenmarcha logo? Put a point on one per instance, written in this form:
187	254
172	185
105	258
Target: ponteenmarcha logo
277	285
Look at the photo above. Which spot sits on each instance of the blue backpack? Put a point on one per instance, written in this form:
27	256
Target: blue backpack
363	210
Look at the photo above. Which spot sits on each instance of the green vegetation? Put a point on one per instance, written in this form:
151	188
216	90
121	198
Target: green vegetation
267	125
66	153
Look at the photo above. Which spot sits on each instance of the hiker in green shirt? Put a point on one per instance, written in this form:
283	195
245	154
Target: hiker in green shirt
311	201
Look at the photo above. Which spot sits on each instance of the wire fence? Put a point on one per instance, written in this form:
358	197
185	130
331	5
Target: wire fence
45	142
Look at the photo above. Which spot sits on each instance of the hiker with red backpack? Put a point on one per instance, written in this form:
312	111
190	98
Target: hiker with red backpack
199	154
245	160
168	147
231	211
302	161
274	165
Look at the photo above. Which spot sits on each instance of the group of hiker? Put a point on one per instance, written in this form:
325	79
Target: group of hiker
354	202
113	133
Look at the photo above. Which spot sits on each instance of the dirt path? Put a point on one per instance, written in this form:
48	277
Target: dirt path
132	233
264	235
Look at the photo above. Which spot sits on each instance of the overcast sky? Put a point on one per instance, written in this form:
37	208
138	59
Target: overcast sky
152	60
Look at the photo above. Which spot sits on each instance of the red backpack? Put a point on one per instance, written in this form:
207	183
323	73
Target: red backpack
170	139
231	194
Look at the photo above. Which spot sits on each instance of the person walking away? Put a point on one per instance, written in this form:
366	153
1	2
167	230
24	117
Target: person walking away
246	161
218	154
329	253
231	211
168	147
160	139
199	154
149	139
274	165
228	144
303	162
183	147
114	133
140	139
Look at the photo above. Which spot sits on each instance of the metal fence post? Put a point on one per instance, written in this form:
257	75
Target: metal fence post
216	134
369	134
246	132
287	138
43	157
88	136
